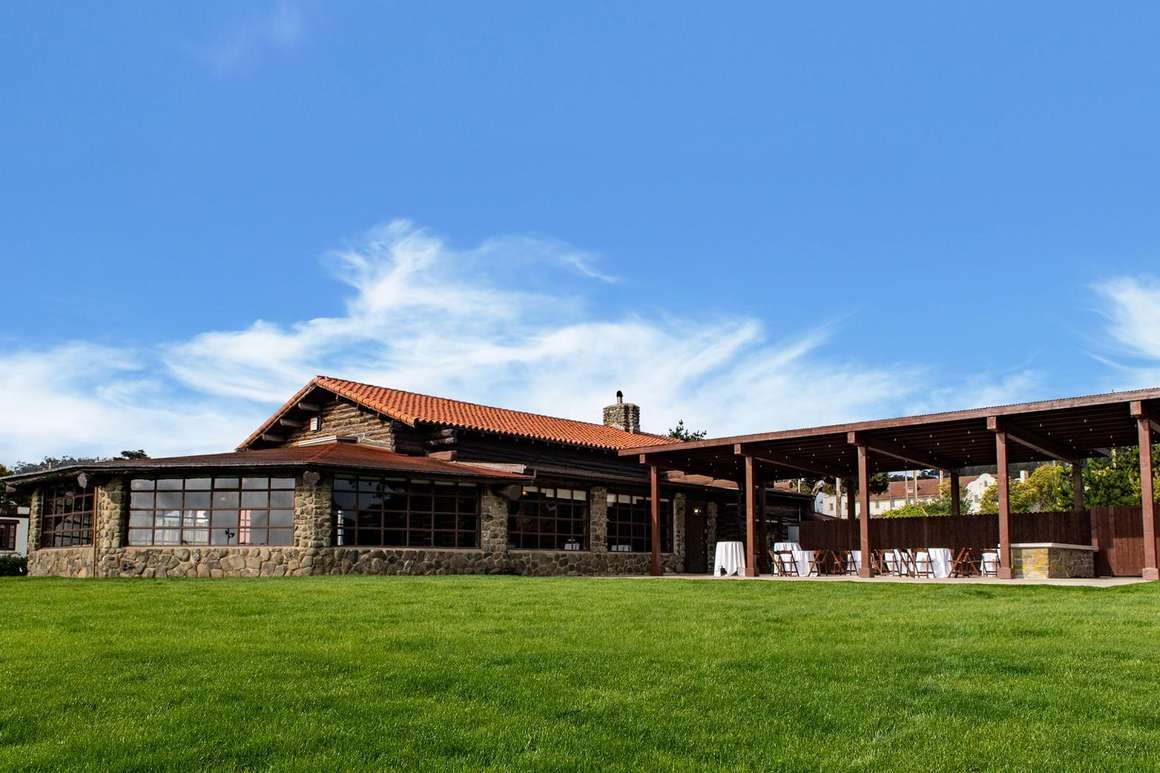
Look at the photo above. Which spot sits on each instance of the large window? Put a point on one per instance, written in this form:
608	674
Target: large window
212	511
8	535
630	524
66	517
401	512
549	518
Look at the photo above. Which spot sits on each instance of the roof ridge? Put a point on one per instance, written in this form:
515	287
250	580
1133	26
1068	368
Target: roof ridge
483	405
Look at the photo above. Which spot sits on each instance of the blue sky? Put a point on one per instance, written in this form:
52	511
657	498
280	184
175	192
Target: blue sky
751	216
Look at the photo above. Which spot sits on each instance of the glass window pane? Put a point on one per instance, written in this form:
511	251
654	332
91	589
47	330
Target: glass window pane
142	518
170	484
282	483
284	499
169	500
197	500
226	499
281	537
225	483
197	484
141	485
252	499
141	500
140	536
281	518
225	519
344	484
196	537
255	483
223	537
196	519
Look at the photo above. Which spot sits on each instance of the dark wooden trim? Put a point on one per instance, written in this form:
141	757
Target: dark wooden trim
1004	505
1035	441
864	545
913	456
654	477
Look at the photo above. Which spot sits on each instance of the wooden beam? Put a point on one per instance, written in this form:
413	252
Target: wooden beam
956	494
762	527
1139	410
1077	487
309	407
750	519
654	478
1147	497
294	423
271	437
867	569
910	455
1004	506
851	515
1033	440
811	466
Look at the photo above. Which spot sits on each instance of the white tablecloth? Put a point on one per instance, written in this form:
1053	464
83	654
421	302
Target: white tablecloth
802	558
730	557
940	561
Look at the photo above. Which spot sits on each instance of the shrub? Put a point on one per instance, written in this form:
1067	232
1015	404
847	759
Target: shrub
13	566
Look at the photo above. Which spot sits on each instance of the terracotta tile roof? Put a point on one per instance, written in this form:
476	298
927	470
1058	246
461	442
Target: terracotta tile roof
412	408
360	456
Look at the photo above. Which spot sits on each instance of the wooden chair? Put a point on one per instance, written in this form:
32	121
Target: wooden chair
965	563
784	563
906	563
886	563
849	563
824	562
922	564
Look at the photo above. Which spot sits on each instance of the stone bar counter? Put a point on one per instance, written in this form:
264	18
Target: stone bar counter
1043	560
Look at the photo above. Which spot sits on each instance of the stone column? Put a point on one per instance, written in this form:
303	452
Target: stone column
313	516
711	533
679	531
493	522
35	511
598	520
109	526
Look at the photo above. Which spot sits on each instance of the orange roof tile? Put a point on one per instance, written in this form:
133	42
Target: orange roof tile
412	408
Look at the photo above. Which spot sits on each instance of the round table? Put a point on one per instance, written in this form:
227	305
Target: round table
730	559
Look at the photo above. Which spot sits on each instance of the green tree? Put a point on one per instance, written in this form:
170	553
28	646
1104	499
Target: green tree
680	432
1046	489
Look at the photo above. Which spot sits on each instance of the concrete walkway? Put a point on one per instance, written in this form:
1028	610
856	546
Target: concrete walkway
1092	582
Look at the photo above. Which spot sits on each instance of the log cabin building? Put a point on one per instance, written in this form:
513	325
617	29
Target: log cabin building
348	477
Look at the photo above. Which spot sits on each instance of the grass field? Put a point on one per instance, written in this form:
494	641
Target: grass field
500	672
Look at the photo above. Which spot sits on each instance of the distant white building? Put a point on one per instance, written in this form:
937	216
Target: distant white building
14	533
907	491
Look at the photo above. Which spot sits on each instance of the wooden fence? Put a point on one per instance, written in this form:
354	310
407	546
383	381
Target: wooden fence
1117	532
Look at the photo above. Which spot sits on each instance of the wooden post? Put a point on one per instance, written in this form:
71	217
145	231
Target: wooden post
851	506
1077	485
956	494
655	517
1004	506
864	504
762	527
750	519
1147	495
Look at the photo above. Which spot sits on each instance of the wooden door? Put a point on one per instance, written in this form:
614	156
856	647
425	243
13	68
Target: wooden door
696	559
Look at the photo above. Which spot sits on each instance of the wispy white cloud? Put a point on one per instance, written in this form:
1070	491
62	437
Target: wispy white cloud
1131	341
245	40
509	322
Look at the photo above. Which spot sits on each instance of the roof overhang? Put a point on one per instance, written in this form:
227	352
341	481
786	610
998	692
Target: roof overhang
1069	429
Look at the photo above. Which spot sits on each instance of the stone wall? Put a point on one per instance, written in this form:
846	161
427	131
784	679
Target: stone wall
312	553
711	534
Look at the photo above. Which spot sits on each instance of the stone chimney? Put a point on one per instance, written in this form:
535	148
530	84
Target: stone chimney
625	416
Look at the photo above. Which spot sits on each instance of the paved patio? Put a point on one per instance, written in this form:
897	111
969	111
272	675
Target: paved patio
1091	582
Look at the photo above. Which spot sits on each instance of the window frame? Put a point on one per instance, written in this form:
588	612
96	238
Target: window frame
8	530
519	536
630	523
406	524
198	507
52	522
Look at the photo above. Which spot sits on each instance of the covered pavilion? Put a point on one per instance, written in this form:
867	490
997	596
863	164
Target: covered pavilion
1069	430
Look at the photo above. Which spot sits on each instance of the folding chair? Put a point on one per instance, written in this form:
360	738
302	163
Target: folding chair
906	563
784	563
887	562
922	564
823	562
964	564
849	563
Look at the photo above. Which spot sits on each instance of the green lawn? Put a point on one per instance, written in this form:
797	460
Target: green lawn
467	672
